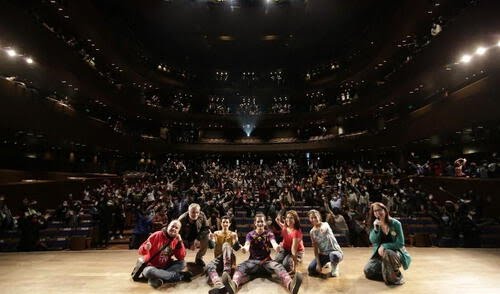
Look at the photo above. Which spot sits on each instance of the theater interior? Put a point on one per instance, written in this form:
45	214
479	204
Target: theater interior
114	110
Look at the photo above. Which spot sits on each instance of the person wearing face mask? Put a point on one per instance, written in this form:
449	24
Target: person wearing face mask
389	252
163	268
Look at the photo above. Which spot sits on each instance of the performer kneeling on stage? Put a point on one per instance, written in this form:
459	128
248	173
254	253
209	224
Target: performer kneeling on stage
325	246
163	268
389	252
258	242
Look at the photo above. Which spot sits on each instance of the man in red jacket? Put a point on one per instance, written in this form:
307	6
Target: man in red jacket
163	268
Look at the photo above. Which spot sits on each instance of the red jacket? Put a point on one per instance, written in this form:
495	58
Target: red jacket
158	239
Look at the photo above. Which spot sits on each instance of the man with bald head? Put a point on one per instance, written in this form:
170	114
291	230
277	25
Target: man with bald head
164	268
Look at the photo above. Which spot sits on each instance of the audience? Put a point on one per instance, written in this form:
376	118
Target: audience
342	192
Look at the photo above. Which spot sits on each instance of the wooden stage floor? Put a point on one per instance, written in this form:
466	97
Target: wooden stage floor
434	270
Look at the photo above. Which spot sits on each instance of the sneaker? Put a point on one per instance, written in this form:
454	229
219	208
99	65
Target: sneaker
294	285
186	276
155	283
401	281
397	278
335	271
218	290
200	262
229	284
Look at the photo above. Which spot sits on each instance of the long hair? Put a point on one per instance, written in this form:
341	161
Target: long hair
316	213
371	215
296	219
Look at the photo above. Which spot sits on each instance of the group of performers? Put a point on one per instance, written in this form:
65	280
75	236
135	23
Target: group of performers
191	231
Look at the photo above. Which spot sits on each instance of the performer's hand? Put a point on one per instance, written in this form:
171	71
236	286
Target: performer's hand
243	249
179	238
278	249
381	250
318	267
376	224
148	246
196	244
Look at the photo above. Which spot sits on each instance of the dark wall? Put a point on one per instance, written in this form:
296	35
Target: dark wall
48	194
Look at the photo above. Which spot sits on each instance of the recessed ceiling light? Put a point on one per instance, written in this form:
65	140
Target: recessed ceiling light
270	37
226	38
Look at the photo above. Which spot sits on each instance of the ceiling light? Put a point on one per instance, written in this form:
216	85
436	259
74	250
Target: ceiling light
466	58
11	52
226	38
480	50
29	60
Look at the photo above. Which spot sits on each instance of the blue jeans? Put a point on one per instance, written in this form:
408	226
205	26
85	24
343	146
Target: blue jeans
167	274
334	257
285	258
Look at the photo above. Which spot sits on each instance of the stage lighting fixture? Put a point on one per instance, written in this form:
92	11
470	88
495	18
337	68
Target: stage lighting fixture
29	60
248	128
480	50
466	58
11	52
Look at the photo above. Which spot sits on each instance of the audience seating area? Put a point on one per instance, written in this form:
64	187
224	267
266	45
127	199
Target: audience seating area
57	235
419	232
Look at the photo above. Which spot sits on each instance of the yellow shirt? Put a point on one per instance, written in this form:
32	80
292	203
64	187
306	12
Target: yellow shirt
222	237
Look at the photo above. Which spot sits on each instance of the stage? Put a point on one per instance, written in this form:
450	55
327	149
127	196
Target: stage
434	270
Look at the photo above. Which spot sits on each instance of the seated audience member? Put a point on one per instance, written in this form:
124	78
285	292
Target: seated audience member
6	219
